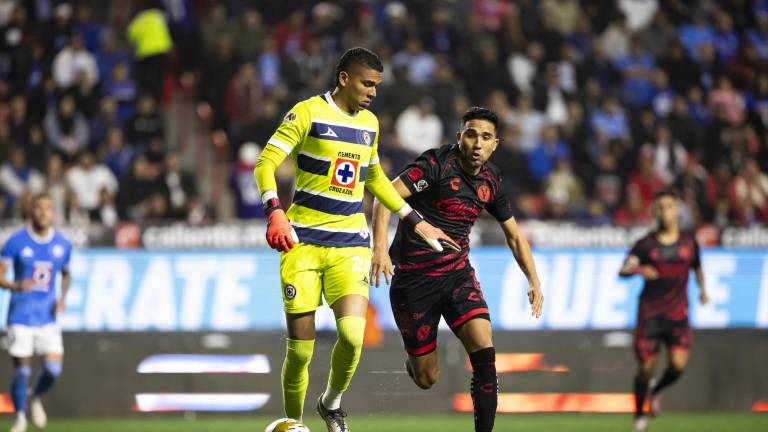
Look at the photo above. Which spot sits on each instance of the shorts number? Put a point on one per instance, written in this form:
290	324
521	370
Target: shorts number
360	264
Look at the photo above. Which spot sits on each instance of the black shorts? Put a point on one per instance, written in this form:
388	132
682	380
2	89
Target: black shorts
419	301
652	332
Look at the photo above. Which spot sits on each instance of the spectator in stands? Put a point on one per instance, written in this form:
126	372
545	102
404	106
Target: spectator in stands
89	180
151	40
548	152
248	203
18	118
616	38
249	34
117	155
57	33
419	64
644	181
419	128
609	123
696	33
670	157
551	98
17	180
726	97
137	198
634	212
72	62
523	67
215	26
87	27
216	75
717	195
659	35
180	185
242	100
758	36
749	194
146	124
56	185
725	39
123	90
66	129
101	122
563	191
528	121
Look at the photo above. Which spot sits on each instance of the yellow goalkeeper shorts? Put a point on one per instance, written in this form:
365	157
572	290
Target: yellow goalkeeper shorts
310	271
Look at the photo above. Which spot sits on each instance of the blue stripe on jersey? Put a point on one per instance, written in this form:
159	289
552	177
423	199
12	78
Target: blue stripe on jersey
327	238
327	205
325	131
363	171
312	165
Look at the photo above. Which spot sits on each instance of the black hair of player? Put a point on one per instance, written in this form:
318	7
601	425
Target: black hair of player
671	193
358	56
480	113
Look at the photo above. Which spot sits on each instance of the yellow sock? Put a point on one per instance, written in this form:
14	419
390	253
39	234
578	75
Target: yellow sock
345	357
295	375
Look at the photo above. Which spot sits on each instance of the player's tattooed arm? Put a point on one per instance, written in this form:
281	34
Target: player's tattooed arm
632	267
22	285
381	263
703	296
522	253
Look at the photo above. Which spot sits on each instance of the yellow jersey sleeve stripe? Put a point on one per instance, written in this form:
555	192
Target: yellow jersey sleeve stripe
281	145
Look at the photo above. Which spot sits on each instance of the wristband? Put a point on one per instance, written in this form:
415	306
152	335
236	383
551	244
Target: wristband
413	218
271	202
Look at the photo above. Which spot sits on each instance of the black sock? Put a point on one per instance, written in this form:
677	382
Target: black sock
641	392
671	375
485	388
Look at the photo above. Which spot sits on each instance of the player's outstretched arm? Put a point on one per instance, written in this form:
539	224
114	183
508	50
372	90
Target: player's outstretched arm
66	281
522	252
381	263
390	195
280	233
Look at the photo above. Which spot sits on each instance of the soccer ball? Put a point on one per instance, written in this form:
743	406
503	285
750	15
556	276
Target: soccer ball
286	425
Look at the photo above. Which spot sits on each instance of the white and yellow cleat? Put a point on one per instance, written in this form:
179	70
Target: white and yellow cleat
37	412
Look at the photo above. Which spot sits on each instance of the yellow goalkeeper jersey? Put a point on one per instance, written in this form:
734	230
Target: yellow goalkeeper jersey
332	152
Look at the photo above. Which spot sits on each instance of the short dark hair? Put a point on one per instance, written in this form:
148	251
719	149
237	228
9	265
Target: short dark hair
671	193
480	113
358	56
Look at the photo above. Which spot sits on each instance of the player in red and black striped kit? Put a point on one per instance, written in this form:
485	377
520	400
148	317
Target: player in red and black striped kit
450	187
664	259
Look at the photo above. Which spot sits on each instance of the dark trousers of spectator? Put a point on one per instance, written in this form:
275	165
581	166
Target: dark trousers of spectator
150	72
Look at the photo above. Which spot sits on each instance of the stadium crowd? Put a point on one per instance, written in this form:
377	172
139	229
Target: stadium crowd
602	103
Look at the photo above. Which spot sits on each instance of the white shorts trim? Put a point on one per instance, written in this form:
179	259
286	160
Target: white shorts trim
28	341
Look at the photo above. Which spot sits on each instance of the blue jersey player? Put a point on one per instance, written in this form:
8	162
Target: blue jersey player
36	254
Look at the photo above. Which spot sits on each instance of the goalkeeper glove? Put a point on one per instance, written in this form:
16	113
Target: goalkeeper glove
280	233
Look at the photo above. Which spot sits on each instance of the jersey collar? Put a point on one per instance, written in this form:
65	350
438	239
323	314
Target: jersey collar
328	98
38	239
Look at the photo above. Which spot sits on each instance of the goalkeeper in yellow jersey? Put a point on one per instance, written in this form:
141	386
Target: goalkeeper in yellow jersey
323	238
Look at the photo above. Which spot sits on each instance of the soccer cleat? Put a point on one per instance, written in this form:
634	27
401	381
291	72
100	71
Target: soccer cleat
641	424
655	406
334	419
37	412
21	424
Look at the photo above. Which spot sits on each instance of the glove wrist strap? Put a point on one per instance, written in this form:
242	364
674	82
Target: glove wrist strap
271	202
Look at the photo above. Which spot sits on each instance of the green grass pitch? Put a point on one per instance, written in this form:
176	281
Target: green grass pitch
672	422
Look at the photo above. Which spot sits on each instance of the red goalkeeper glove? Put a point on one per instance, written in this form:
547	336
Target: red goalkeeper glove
280	233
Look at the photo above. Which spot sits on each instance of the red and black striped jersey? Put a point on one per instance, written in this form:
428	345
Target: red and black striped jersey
668	295
451	199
